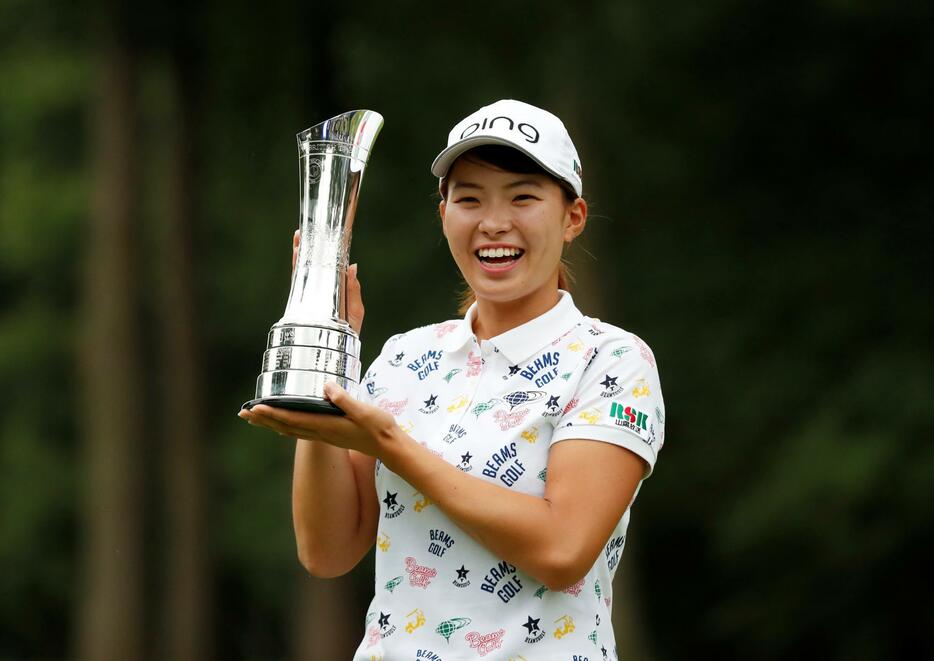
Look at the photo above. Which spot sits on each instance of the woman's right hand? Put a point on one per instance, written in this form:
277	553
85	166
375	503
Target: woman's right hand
355	309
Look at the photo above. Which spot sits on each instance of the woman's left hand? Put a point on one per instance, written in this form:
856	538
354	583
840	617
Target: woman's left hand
363	427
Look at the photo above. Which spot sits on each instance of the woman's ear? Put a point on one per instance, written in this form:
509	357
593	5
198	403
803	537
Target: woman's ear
575	220
442	205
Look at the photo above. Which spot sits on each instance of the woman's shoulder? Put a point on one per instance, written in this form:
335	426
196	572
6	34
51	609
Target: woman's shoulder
605	336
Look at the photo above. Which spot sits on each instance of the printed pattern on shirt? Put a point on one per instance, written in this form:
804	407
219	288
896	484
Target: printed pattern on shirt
442	596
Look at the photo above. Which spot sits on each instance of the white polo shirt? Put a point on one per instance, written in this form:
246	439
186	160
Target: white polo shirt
493	408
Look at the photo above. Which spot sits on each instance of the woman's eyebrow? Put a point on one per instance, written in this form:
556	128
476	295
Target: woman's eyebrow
523	182
465	184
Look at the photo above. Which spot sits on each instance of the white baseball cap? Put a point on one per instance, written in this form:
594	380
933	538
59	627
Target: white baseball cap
535	132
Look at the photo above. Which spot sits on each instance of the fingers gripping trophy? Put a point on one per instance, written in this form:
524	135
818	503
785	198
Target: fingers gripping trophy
313	344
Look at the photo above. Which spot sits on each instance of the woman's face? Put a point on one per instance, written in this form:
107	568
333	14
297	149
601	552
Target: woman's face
506	230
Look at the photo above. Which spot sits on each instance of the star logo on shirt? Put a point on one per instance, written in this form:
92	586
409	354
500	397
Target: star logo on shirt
552	407
461	581
431	405
610	387
390	499
513	370
532	625
464	465
383	619
603	649
395	362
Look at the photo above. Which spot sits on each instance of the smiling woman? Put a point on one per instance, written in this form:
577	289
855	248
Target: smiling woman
492	459
494	193
510	161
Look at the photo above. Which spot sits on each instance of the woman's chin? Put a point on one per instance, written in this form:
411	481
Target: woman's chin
503	292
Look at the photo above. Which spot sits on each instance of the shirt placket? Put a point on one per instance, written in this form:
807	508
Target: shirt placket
483	350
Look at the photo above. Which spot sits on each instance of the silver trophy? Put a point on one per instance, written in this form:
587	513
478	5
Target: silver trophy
313	344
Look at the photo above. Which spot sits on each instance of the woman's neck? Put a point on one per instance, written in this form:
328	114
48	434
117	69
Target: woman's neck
494	318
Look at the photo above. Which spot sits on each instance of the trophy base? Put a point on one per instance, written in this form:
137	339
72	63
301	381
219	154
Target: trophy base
300	360
308	404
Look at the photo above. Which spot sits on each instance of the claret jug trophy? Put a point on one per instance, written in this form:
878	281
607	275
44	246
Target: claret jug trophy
312	344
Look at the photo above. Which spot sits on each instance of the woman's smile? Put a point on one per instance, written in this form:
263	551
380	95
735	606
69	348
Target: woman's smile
498	258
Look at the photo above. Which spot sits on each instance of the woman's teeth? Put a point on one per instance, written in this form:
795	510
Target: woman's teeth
499	255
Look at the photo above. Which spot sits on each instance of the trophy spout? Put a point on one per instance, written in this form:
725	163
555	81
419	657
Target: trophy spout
357	128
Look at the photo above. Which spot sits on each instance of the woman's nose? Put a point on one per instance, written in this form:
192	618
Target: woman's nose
496	220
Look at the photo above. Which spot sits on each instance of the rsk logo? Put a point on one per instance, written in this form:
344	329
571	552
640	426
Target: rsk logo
630	418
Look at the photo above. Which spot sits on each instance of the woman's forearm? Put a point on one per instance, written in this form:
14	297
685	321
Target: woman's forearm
332	528
517	527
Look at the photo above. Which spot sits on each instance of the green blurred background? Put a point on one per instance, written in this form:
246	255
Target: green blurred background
761	194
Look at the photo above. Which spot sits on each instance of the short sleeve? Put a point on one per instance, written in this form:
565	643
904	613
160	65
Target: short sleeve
618	400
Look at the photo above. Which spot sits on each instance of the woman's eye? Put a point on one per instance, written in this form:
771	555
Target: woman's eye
525	197
466	199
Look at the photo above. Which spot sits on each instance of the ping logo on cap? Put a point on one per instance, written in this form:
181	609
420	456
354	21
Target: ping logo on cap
530	132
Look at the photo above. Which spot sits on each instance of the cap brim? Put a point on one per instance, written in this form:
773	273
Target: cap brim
446	158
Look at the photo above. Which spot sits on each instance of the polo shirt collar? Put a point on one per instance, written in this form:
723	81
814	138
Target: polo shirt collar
521	342
462	334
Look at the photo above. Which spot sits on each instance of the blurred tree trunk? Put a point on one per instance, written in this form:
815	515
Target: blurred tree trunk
631	638
186	599
324	619
110	619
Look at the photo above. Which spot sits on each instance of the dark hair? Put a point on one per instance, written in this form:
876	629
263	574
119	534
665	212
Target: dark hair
508	159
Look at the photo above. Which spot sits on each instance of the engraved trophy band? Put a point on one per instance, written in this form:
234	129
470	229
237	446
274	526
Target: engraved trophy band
312	344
